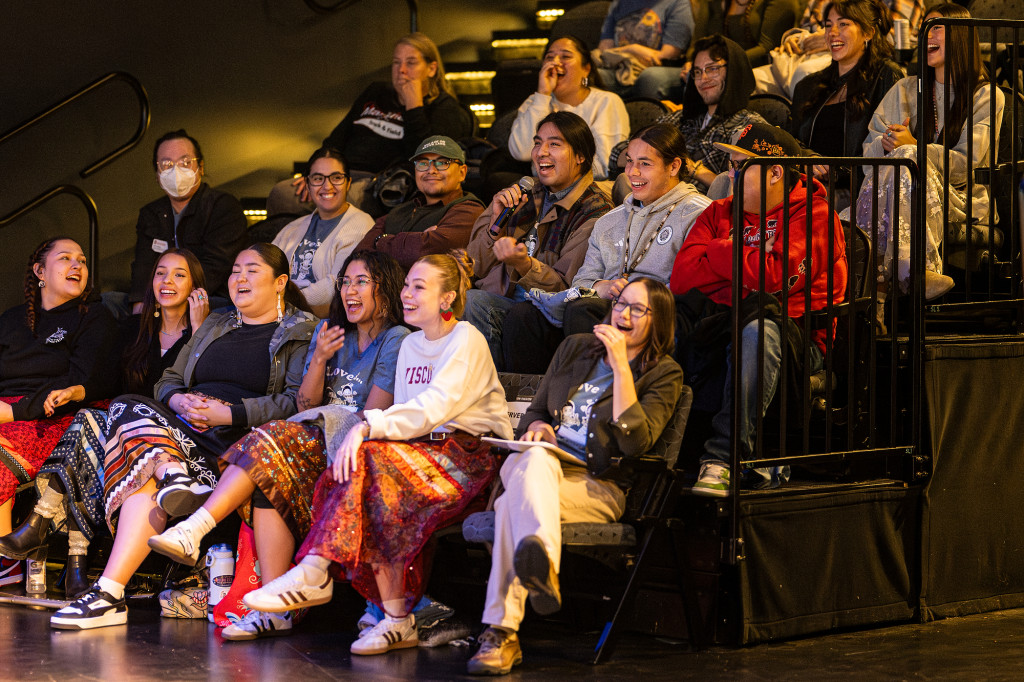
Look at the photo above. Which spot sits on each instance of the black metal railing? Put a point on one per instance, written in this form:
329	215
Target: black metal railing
848	392
73	190
981	165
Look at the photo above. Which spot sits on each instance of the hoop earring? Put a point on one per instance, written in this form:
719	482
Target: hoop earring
280	308
156	313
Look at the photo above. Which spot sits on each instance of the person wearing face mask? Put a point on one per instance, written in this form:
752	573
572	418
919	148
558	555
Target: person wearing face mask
607	396
318	244
192	216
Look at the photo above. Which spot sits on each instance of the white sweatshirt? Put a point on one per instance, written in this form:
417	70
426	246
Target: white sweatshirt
445	384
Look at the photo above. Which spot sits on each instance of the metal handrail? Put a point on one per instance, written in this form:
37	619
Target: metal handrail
90	209
132	82
342	4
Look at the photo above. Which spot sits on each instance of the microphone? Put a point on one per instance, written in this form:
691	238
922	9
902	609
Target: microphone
526	183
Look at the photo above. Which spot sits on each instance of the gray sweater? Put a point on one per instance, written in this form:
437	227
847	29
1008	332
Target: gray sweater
605	251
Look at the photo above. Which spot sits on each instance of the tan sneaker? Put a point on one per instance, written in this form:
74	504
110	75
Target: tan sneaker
499	651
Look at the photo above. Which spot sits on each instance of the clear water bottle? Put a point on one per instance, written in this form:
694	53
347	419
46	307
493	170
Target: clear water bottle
220	560
35	580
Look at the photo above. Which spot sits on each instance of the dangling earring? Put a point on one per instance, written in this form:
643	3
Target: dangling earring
156	313
238	319
585	82
42	284
280	308
446	313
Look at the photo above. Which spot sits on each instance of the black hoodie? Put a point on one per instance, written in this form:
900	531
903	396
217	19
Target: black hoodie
71	346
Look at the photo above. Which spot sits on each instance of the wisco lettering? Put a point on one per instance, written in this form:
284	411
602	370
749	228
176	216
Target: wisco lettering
419	375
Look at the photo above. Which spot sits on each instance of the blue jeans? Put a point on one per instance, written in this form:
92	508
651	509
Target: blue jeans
655	82
486	312
717	448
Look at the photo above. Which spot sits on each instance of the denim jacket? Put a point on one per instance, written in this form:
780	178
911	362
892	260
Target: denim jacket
287	350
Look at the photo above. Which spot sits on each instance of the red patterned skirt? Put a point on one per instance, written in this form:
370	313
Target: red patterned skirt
399	495
284	459
25	445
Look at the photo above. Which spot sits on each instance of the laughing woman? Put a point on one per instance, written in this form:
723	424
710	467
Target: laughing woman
271	472
961	124
175	304
617	383
405	471
57	351
238	370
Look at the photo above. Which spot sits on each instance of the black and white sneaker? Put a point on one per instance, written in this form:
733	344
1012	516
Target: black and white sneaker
180	494
94	609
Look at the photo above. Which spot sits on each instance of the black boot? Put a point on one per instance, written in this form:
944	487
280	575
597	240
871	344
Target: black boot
76	580
27	539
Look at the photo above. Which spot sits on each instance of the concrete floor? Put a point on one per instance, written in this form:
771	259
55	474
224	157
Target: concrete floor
981	647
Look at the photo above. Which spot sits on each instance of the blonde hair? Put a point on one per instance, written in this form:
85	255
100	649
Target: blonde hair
455	267
428	50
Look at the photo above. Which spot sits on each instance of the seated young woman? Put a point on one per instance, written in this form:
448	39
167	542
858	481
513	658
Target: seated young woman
318	244
57	351
174	306
606	395
240	369
962	125
350	367
405	471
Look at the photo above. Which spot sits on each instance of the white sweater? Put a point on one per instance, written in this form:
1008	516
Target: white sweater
603	111
445	384
331	255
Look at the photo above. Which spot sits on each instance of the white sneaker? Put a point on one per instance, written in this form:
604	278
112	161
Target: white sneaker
713	481
180	494
178	543
386	635
289	592
257	624
94	609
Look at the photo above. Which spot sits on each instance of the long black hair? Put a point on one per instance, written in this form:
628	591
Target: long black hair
33	296
274	257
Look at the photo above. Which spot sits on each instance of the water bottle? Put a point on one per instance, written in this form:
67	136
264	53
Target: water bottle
220	560
35	582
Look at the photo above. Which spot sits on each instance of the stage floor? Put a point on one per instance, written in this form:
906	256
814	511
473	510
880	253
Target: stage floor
982	647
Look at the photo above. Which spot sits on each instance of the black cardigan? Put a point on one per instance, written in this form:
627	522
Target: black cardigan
635	431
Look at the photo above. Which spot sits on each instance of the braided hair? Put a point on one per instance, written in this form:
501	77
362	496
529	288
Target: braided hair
33	295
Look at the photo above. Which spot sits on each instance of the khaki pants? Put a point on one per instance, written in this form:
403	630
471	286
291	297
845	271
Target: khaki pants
540	494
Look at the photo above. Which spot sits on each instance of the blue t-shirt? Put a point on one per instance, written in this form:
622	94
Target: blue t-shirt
650	23
571	433
351	374
302	257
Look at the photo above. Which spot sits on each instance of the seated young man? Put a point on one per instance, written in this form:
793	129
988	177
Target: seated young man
639	238
714	109
439	217
192	215
542	243
705	263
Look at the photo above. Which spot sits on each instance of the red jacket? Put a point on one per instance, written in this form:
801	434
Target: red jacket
705	259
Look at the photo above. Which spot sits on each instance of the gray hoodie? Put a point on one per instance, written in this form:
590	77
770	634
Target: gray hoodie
605	250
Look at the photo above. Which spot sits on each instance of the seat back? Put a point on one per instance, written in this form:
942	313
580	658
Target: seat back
583	21
775	109
667	445
643	111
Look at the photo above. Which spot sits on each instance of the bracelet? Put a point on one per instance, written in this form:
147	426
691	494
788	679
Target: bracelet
379	237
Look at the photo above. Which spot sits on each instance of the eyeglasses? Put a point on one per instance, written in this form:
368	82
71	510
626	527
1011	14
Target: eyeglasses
358	283
636	310
183	162
440	164
711	71
336	179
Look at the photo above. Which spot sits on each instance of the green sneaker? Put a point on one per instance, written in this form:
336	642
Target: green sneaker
713	481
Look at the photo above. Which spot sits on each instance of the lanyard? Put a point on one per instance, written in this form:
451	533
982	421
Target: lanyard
628	267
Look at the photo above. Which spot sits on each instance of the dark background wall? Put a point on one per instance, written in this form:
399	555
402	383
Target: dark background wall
259	84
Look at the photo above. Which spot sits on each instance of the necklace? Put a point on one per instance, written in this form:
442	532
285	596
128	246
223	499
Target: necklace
628	267
175	331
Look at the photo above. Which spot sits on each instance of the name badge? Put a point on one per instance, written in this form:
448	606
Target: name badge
159	245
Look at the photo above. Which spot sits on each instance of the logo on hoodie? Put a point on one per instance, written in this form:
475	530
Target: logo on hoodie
57	336
665	235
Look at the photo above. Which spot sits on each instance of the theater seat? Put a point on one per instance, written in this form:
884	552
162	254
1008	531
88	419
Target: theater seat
648	505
